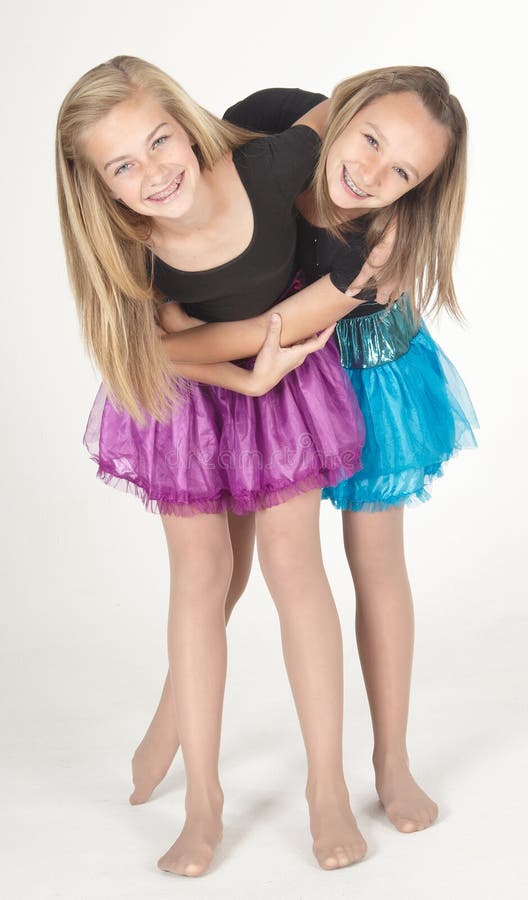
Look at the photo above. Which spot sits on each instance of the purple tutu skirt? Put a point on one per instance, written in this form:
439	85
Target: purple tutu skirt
220	450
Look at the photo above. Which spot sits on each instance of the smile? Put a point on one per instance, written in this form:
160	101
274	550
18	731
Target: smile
352	186
169	192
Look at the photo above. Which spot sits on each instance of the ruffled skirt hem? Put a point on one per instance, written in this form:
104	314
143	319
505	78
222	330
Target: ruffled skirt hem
348	501
225	502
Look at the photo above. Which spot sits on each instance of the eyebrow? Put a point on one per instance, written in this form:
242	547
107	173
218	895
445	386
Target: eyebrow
385	141
147	139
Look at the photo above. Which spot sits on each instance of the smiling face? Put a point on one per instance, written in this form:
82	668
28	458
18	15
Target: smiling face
144	157
389	147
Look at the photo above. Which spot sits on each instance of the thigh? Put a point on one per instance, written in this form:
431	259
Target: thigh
374	540
288	534
198	545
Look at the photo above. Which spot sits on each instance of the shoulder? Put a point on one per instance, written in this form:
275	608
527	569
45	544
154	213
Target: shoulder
288	158
272	109
297	145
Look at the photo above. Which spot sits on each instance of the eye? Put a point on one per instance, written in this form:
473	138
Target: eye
402	173
123	168
159	141
371	140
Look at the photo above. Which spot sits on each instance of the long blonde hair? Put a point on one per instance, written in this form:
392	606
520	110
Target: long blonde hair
428	217
108	252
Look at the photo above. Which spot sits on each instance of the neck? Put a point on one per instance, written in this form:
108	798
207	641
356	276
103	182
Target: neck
208	202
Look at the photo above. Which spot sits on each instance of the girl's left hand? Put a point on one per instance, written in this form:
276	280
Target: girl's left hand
274	362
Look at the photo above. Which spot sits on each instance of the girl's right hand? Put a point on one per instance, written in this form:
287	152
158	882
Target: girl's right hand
273	362
369	273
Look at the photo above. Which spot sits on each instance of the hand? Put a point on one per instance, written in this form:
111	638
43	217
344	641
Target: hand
274	362
172	318
369	273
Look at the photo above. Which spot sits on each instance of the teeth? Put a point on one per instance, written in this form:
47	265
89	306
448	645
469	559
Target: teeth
175	183
353	186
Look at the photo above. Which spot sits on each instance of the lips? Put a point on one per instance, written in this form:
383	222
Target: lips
352	187
169	191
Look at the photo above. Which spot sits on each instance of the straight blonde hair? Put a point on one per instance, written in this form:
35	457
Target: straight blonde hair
108	250
428	217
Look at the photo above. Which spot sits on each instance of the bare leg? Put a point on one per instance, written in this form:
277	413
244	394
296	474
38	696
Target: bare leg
385	637
201	566
290	556
153	756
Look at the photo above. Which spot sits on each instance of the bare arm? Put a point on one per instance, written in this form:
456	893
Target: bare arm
271	365
311	310
225	375
305	313
316	118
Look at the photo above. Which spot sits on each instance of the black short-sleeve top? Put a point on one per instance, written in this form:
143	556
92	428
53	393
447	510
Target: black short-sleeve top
273	170
318	252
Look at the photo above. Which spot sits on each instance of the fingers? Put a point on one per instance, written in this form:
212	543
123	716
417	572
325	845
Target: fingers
361	280
323	337
273	333
275	324
387	292
354	290
377	258
383	295
296	354
310	345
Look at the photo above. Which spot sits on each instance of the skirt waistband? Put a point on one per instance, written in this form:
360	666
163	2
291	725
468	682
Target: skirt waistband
367	341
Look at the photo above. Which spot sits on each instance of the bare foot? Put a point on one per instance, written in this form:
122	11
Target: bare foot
192	853
338	841
407	806
150	764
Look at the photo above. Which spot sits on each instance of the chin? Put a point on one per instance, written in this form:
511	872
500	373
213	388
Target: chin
340	198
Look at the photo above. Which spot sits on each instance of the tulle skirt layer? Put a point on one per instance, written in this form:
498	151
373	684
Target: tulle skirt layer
225	451
417	414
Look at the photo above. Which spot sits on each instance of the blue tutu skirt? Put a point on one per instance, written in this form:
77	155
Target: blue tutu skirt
416	408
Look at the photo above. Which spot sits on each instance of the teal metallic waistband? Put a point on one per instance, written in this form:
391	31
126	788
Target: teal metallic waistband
367	341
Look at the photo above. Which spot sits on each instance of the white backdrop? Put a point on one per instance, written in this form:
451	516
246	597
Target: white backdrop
86	576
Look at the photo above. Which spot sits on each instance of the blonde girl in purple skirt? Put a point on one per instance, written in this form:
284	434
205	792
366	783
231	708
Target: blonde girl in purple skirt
155	190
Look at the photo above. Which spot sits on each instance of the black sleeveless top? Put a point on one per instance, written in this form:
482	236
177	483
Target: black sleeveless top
273	171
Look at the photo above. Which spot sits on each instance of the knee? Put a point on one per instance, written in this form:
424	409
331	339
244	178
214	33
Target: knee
205	569
275	555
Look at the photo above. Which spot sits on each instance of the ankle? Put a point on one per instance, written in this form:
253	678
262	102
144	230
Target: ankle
321	791
205	800
390	759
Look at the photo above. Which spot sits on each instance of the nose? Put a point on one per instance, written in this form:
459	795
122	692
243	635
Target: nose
370	174
154	172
